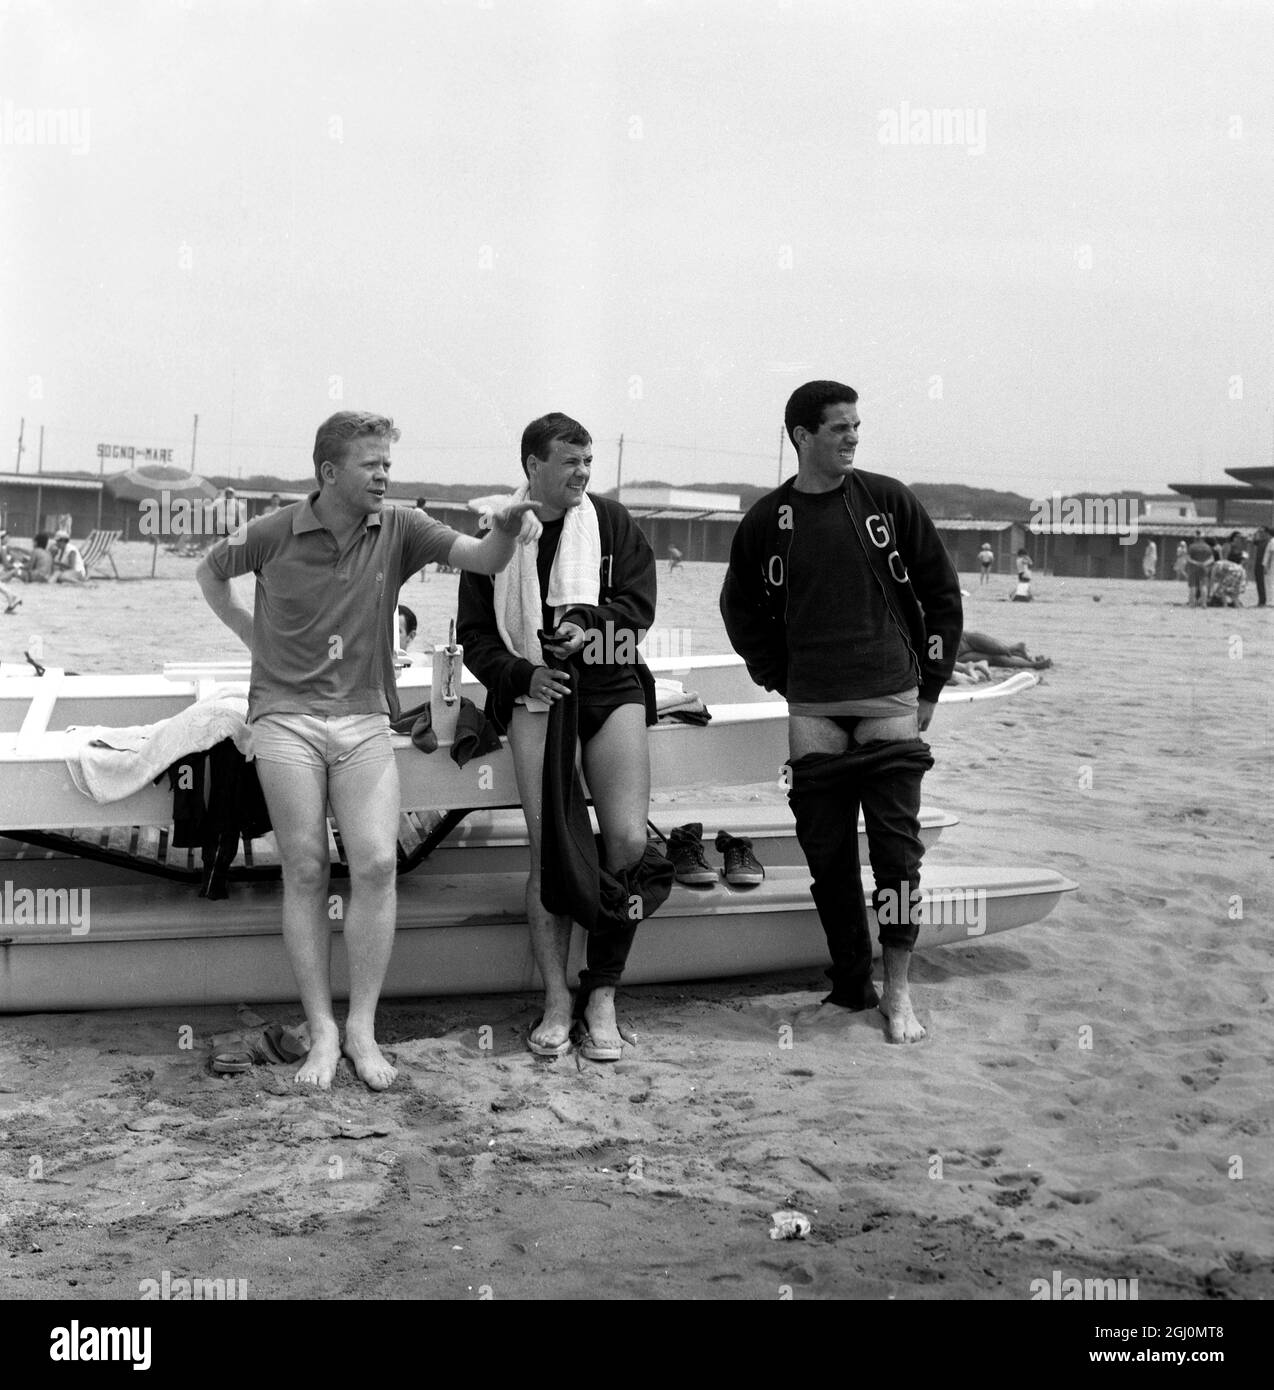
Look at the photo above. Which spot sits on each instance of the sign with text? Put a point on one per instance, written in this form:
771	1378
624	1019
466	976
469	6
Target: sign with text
134	453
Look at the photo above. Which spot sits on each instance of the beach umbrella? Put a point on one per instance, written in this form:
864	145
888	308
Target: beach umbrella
162	487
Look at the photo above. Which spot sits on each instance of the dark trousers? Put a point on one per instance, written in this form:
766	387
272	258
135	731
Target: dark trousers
826	792
1260	582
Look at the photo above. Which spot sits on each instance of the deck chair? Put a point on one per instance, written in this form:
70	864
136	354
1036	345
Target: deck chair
98	548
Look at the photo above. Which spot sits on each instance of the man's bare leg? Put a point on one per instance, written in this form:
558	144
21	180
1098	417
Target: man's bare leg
365	803
297	801
617	769
550	932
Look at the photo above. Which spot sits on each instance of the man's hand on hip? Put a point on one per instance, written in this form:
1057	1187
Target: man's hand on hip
926	712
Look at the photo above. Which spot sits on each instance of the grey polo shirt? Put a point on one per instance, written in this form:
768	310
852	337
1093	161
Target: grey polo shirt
322	623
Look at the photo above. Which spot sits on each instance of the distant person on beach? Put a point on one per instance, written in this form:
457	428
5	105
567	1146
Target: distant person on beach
322	692
986	561
840	596
1261	562
68	563
8	569
1179	564
674	558
1199	560
592	573
1236	549
275	504
1022	594
1227	580
977	646
40	570
1150	560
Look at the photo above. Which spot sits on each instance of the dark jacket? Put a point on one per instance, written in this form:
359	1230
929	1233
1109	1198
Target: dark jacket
627	606
903	551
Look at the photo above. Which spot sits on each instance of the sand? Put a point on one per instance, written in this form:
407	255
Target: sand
1093	1097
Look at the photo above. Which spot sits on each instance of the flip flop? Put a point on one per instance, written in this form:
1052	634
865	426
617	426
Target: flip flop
545	1049
600	1052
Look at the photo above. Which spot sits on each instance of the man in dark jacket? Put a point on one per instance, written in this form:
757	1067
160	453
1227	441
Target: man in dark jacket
590	583
841	597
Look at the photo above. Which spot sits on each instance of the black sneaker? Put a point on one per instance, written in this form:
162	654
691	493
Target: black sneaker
742	867
685	849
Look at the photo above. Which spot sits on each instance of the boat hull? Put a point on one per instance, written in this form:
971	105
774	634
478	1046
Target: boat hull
457	934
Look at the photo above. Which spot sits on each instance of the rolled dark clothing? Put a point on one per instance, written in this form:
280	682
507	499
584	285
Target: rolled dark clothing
573	882
826	793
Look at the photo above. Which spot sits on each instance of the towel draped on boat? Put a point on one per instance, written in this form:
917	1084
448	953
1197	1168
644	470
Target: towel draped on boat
110	764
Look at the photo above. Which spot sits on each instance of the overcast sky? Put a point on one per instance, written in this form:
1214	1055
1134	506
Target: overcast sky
659	216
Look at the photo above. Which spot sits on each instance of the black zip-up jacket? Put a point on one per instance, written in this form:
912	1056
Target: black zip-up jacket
903	551
627	605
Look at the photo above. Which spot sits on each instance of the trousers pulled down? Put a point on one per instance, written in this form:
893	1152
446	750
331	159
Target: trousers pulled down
826	793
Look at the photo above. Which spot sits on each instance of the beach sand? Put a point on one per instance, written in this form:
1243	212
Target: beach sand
1093	1097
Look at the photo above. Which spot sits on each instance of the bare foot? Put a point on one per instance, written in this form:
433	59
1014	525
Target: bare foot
554	1028
904	1026
599	1018
324	1057
371	1064
895	1002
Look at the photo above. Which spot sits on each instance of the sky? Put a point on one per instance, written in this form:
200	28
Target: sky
1034	237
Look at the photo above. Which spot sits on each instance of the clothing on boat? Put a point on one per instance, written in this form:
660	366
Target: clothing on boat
898	550
324	617
474	736
217	801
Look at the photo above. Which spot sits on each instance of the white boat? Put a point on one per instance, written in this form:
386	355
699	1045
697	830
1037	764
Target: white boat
457	934
461	920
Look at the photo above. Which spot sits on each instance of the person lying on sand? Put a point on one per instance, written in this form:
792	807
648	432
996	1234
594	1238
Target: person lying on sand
320	700
841	596
977	646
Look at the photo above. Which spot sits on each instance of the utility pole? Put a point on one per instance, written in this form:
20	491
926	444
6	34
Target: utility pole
782	433
194	439
22	425
39	487
619	472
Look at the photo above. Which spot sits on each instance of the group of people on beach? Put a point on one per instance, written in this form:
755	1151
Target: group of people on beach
55	560
986	565
839	595
1216	571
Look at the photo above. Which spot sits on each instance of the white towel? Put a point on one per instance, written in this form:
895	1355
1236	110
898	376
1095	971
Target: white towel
576	578
115	763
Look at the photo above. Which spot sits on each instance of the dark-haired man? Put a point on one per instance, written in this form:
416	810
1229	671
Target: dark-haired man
328	571
841	597
591	583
